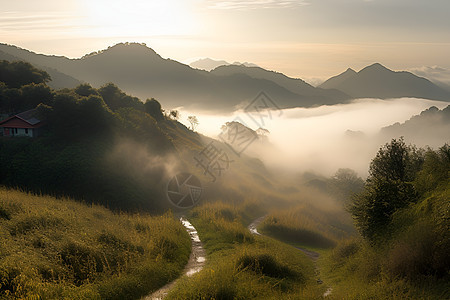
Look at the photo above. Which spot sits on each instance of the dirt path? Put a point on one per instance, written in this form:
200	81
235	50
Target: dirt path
194	265
314	256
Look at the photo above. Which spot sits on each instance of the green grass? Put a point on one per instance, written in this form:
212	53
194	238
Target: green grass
356	270
413	262
307	226
60	249
244	266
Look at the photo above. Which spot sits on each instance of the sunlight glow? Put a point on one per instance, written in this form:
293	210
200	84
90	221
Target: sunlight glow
139	18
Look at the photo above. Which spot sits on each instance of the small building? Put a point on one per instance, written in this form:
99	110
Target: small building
23	124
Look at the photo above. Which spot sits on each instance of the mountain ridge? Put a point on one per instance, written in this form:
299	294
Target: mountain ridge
140	71
209	64
377	81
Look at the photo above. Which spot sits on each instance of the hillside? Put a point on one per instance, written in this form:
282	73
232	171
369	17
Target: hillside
58	80
377	81
426	129
140	71
403	218
103	146
60	249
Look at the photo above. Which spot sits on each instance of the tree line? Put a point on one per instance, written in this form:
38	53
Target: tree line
83	127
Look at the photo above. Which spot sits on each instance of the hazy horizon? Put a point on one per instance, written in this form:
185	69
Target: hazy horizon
308	39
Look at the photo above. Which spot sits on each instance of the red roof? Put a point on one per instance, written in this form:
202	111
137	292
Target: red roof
26	119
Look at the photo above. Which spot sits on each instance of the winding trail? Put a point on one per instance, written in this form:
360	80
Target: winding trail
195	264
314	256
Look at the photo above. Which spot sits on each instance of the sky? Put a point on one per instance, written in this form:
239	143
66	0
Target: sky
310	39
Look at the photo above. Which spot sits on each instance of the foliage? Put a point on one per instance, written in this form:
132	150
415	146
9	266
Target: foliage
388	188
153	108
73	118
59	249
116	99
174	114
345	183
435	170
18	73
85	90
411	258
78	153
193	121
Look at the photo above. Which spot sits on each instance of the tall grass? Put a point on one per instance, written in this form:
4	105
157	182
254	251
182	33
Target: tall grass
306	225
61	249
244	266
413	262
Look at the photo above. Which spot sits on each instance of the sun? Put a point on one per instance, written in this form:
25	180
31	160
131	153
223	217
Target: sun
107	18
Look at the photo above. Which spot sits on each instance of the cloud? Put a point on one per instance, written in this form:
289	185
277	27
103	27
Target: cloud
325	138
254	4
436	74
28	21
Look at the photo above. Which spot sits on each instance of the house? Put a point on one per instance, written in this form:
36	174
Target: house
24	124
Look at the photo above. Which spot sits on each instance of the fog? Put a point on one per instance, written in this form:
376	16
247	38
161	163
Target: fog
321	139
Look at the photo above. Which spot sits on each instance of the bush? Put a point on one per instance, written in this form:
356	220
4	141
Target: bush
264	264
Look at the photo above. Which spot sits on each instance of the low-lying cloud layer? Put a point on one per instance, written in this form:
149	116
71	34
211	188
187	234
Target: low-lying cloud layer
326	138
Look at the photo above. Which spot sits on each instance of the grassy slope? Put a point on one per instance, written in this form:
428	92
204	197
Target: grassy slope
243	266
60	249
405	266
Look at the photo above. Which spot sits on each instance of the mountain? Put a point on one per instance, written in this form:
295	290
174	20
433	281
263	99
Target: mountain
140	71
377	81
59	80
298	86
430	128
335	81
209	64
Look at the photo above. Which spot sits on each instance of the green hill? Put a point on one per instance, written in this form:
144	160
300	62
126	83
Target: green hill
60	249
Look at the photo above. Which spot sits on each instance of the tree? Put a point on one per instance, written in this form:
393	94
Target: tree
194	122
174	114
435	170
388	188
34	94
18	73
153	108
345	183
115	98
85	90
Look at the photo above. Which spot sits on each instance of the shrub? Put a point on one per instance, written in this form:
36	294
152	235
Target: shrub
264	264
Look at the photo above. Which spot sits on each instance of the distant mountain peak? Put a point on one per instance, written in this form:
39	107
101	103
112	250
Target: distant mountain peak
350	70
376	67
245	64
128	48
377	81
209	64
